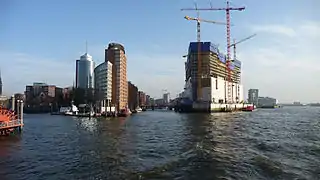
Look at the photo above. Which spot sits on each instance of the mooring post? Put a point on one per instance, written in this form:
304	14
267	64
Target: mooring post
13	103
21	112
18	109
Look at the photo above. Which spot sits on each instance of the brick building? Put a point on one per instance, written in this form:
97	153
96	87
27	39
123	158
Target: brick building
116	55
133	99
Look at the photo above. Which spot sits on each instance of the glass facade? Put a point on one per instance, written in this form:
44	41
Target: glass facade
85	72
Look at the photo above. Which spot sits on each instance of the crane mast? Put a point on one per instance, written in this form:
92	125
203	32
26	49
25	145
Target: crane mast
228	98
199	62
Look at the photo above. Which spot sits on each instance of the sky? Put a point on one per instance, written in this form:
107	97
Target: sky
41	40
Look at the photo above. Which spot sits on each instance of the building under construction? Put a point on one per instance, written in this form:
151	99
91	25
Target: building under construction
214	79
213	74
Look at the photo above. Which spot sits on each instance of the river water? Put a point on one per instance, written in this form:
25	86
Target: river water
264	144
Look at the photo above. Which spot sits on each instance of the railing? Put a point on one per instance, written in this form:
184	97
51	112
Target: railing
7	124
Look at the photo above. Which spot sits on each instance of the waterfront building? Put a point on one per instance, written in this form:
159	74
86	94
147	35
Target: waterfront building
85	72
115	53
132	96
148	100
267	102
253	96
103	84
142	98
214	84
166	98
40	96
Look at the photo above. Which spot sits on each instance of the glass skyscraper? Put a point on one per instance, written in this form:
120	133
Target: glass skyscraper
85	72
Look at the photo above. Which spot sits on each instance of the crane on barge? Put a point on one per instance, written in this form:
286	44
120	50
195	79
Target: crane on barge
228	61
199	64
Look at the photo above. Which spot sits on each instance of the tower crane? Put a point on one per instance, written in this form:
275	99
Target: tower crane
235	43
199	73
228	62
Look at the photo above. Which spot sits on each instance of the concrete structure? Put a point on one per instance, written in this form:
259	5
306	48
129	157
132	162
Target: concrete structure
213	73
253	96
116	55
85	72
166	98
213	76
103	84
142	99
133	99
267	102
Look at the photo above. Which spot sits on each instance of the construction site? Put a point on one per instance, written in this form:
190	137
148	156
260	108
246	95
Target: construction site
213	78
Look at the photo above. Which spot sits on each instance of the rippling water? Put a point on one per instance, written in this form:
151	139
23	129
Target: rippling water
265	144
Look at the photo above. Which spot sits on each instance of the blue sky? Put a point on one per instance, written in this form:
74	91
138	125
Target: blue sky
40	41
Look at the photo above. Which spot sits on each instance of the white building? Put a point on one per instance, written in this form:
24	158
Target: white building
84	72
103	83
166	98
217	92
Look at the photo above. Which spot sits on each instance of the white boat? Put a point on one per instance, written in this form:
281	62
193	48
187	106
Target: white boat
138	109
69	111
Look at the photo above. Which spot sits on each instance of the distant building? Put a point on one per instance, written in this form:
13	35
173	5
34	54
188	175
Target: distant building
103	83
40	96
158	102
133	99
116	55
142	98
267	102
85	72
148	100
66	93
296	103
166	98
253	96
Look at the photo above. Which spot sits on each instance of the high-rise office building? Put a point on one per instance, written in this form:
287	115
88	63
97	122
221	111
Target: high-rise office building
253	96
115	53
85	72
103	83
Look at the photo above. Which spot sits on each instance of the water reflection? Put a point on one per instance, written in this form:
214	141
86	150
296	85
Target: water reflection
9	144
166	145
90	124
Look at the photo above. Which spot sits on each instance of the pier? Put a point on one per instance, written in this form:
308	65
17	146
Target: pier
11	120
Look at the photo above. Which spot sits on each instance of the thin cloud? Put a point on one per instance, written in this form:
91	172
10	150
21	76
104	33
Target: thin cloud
23	69
286	69
275	29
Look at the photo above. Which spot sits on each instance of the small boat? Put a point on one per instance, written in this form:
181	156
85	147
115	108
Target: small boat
124	113
138	109
248	108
